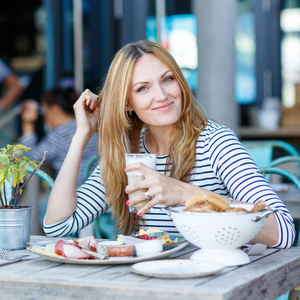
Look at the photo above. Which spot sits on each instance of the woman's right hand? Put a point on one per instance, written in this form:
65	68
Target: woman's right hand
87	112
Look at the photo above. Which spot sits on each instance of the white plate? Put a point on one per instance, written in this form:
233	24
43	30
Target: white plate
114	261
176	268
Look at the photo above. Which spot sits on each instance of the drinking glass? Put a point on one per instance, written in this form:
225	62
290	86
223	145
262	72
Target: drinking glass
136	176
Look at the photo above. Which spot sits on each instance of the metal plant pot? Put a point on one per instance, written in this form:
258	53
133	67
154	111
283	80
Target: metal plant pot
15	227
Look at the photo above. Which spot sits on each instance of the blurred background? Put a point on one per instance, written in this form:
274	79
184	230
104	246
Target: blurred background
241	58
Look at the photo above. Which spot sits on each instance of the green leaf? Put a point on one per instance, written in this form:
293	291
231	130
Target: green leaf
21	147
4	159
9	148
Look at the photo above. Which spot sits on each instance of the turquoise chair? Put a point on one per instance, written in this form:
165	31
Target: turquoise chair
262	152
287	159
43	175
291	177
104	227
89	164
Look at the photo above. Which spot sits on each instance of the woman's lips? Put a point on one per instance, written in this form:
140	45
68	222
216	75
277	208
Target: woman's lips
163	107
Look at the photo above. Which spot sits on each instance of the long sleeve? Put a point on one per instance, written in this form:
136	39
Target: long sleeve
91	204
233	165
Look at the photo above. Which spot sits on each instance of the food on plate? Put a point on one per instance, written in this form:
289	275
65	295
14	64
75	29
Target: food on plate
151	234
209	203
167	241
82	248
90	248
145	235
150	230
88	243
45	250
115	249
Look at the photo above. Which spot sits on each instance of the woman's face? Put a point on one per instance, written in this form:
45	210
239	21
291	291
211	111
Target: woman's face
155	94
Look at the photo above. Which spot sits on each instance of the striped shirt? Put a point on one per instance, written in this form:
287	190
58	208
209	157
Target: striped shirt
57	143
222	166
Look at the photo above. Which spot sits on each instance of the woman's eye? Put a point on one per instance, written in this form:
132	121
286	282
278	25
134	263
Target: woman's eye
141	89
168	79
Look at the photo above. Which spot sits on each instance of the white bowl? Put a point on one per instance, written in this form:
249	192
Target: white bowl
149	247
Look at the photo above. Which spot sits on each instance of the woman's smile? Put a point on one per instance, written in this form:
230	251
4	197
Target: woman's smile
163	107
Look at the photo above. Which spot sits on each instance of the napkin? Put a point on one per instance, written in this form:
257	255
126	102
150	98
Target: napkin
13	258
256	249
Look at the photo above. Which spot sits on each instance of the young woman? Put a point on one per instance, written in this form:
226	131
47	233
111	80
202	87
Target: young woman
146	99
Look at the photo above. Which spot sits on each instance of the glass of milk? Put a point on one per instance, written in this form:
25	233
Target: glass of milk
133	176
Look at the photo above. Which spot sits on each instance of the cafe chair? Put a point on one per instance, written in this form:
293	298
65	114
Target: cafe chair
287	159
44	176
284	173
263	152
104	226
89	164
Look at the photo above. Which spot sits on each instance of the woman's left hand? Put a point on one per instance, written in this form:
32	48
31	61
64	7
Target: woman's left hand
161	188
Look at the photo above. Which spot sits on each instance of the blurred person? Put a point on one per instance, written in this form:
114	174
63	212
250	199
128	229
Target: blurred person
10	86
146	98
58	114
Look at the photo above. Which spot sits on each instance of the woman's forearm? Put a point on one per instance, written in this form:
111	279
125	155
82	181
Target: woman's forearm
269	233
63	199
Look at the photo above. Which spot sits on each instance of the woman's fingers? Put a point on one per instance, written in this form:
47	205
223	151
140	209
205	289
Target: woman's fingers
160	188
87	99
86	111
141	167
90	98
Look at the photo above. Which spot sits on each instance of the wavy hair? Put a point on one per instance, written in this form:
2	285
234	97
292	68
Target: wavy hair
114	121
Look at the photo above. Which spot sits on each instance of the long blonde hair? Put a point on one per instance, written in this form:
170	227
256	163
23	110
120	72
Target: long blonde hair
114	121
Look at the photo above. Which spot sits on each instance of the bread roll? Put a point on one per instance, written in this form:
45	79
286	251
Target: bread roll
205	203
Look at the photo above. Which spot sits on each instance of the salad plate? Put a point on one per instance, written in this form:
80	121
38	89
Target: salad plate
43	252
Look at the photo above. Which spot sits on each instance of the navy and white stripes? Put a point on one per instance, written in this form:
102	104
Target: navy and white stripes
222	166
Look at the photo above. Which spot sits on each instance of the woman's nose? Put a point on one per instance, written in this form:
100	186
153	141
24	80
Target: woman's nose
160	93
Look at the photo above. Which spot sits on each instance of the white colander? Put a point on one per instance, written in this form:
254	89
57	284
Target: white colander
219	235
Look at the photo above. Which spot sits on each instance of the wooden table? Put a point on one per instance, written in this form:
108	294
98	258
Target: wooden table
266	277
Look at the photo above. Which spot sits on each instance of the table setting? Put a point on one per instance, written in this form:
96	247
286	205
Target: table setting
174	268
223	243
37	276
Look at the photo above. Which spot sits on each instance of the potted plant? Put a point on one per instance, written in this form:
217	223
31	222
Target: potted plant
15	219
